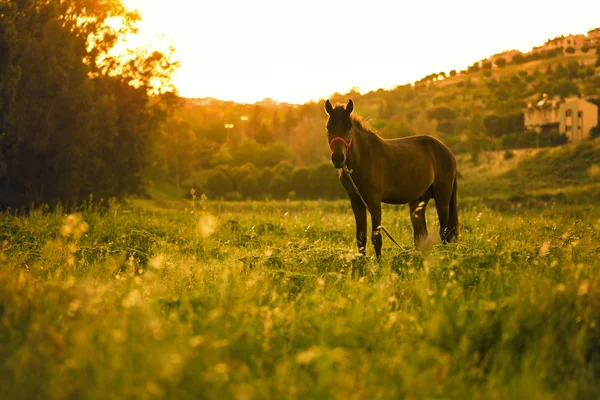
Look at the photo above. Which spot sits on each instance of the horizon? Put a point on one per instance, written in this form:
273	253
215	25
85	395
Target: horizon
285	52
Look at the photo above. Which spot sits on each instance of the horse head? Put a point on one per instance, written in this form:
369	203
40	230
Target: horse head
339	131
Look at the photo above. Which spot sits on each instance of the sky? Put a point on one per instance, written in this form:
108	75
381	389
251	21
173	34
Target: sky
303	50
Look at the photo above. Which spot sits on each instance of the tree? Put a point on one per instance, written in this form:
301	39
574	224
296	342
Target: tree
565	87
500	62
219	184
263	134
519	59
476	135
249	187
301	183
222	157
177	145
441	113
280	186
75	119
473	68
264	180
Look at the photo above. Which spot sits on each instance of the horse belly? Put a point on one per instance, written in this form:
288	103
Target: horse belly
405	192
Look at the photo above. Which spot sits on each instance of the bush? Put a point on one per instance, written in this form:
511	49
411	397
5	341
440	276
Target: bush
595	132
570	50
280	186
301	183
530	139
219	184
249	187
284	168
264	179
325	183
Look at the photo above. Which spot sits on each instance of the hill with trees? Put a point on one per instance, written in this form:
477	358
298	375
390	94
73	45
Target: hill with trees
78	121
475	110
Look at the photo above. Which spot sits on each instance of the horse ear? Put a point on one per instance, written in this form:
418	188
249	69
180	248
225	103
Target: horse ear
350	107
328	107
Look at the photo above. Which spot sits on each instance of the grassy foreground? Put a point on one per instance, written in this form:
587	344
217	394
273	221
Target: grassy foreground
269	300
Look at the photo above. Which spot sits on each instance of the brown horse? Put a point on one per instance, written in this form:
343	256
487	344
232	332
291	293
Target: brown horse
409	170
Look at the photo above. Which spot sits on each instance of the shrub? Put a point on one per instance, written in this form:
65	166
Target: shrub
249	187
280	186
264	179
301	183
219	184
284	168
325	183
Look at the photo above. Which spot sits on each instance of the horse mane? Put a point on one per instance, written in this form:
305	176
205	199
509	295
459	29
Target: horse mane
361	124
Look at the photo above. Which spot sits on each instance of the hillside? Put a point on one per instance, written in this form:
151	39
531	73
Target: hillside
458	109
536	178
474	111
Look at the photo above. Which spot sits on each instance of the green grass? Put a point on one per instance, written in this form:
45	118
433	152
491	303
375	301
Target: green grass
168	298
270	300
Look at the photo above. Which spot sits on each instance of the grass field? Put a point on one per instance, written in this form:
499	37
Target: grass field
220	300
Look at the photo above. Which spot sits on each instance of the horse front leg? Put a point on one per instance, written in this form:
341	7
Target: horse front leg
375	227
417	217
360	216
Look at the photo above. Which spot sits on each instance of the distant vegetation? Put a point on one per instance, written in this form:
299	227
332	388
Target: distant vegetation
76	121
476	110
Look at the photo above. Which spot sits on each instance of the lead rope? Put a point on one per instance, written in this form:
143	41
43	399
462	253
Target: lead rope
349	175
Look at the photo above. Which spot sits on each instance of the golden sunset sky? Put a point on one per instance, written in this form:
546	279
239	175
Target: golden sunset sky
297	51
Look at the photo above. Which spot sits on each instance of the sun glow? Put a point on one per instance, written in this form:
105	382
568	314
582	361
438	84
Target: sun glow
298	51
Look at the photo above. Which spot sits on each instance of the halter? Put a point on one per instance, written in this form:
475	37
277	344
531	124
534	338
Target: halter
341	139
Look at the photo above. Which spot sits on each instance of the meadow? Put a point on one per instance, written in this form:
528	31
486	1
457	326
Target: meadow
269	299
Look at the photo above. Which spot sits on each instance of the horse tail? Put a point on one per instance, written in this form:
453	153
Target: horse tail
453	215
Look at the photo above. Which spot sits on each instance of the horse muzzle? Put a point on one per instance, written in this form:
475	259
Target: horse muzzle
338	159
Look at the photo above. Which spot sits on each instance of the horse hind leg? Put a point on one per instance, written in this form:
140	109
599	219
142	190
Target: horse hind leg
452	232
442	205
417	217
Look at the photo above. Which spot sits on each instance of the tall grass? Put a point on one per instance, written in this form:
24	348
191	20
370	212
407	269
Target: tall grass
270	300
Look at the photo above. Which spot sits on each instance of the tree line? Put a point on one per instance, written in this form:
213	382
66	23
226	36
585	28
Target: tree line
282	181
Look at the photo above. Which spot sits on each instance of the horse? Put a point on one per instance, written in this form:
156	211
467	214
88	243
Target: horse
411	170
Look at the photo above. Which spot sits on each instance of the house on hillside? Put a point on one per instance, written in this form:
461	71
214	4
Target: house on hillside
572	116
562	43
593	38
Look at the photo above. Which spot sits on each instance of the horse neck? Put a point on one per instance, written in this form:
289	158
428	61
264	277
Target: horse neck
358	147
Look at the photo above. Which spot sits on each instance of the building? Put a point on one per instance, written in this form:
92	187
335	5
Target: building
562	43
572	116
593	38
